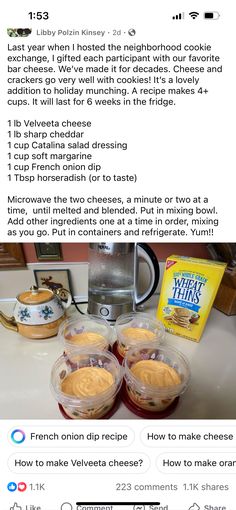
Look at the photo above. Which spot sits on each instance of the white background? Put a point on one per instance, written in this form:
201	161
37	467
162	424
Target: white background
188	150
183	150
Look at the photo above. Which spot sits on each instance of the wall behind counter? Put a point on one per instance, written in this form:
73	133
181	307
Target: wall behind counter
78	252
75	257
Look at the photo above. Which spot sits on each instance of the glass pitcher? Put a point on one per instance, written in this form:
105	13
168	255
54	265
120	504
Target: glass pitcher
113	277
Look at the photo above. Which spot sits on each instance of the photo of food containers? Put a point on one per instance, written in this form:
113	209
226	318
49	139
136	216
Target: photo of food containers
85	331
135	328
134	367
87	384
155	376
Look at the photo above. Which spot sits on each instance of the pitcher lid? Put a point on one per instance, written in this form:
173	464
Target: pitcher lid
35	296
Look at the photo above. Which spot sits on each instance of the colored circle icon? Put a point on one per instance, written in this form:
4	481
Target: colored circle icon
22	487
18	436
12	486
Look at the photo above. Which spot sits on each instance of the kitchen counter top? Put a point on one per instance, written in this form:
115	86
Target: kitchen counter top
25	367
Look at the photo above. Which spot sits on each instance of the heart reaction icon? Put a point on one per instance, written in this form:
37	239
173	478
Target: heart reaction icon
22	486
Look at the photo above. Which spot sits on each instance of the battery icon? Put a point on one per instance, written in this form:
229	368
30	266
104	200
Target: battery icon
211	15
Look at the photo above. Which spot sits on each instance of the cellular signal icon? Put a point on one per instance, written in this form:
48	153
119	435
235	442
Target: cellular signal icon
194	14
179	16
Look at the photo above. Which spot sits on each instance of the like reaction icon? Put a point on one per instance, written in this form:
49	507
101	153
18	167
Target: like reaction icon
12	486
16	507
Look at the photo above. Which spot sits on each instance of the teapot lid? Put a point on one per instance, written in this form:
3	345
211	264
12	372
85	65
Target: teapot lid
35	296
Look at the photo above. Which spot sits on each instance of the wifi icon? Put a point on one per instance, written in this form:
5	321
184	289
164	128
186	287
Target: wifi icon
194	14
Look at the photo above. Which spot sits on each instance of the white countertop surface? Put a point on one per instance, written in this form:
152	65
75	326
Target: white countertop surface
25	367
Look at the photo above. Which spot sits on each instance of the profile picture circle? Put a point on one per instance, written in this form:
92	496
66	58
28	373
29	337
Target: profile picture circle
18	436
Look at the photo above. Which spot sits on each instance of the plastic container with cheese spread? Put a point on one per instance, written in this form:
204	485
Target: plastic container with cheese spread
157	395
78	383
135	328
85	331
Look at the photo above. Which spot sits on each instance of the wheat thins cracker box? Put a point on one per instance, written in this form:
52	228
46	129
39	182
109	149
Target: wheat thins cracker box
188	291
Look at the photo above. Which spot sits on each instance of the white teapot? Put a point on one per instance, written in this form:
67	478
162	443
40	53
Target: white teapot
38	312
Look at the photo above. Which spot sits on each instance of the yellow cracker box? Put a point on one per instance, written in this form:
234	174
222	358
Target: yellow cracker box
188	291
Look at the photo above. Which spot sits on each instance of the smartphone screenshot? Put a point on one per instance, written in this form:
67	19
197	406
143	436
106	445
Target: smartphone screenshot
117	256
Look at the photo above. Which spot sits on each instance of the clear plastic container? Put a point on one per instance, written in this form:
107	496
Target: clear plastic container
135	328
85	331
152	397
89	406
